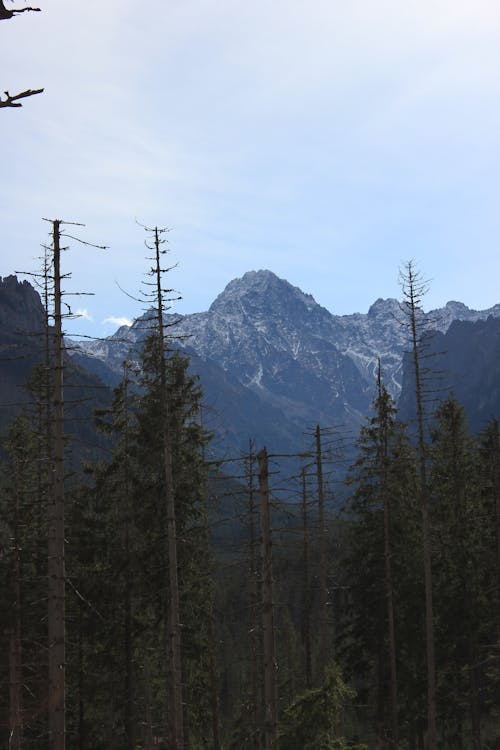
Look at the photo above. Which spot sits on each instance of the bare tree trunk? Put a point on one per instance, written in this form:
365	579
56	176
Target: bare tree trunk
390	620
128	697
15	645
213	686
56	565
257	708
15	710
177	708
306	624
323	594
268	635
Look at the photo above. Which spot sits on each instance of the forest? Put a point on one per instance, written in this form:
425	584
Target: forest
153	597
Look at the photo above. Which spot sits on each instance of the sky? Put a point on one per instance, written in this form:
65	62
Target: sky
325	140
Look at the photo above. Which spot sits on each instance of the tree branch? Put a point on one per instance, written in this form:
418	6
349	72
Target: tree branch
6	14
11	101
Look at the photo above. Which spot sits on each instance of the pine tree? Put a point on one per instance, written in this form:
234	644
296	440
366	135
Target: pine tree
414	289
379	634
189	482
23	586
311	721
462	608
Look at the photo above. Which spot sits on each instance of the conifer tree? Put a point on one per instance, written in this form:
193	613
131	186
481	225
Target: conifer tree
380	625
23	586
459	554
414	289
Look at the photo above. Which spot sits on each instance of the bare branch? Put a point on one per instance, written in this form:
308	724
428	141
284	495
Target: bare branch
6	14
11	101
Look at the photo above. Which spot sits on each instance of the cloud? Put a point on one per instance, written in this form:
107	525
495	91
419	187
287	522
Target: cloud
84	314
296	136
118	321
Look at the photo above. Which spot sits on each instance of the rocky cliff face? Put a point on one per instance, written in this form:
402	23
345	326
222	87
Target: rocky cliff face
21	310
22	320
22	348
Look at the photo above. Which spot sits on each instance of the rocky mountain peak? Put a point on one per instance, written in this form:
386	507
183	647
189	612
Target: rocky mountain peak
21	308
260	293
382	307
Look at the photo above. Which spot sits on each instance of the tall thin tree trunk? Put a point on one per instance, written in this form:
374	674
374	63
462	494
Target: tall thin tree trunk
15	647
268	634
383	416
214	699
56	565
306	615
177	707
81	707
323	593
15	710
128	686
474	702
412	306
255	628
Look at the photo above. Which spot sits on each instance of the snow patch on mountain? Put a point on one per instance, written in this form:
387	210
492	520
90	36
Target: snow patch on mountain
278	341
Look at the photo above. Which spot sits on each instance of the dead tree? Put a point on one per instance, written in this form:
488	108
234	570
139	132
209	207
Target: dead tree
56	512
254	625
323	592
56	552
306	616
268	634
175	658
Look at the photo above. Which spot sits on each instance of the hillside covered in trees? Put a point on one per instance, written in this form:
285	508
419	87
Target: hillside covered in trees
157	594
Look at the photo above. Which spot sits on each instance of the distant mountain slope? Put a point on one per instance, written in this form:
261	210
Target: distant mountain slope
21	344
465	362
22	347
290	353
272	362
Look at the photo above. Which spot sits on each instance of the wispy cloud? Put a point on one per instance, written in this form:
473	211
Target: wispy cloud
290	135
117	321
84	314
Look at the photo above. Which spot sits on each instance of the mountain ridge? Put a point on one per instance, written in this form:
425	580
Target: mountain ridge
272	361
293	354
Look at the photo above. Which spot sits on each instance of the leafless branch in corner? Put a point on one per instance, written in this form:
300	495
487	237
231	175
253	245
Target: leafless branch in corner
6	14
11	101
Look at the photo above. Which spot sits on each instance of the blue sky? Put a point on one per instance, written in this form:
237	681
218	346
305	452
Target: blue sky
327	141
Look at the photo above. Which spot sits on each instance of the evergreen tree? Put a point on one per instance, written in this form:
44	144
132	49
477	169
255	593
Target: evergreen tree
381	630
462	607
23	675
312	721
414	288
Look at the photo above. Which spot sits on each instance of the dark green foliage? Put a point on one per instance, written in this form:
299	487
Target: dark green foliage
378	477
462	559
463	485
120	665
312	721
23	579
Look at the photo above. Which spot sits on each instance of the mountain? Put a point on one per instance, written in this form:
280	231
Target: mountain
22	319
273	362
465	362
22	348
